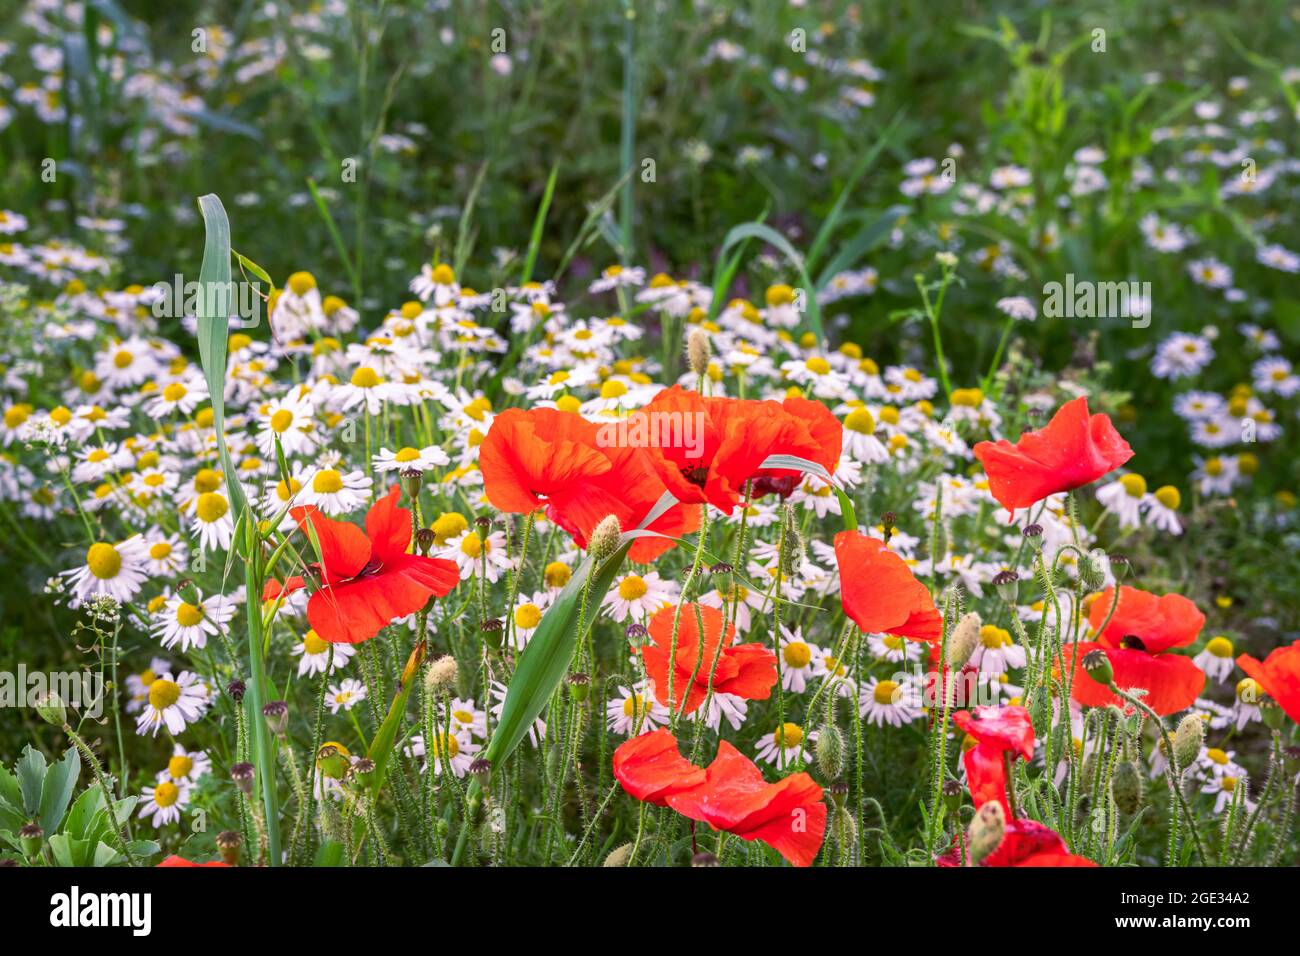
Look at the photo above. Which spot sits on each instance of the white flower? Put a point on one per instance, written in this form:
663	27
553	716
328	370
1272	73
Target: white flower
162	804
422	459
639	595
345	695
335	492
315	654
173	703
117	570
189	625
634	711
888	701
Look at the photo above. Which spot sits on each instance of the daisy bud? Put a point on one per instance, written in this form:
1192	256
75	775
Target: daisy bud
698	350
425	540
228	842
1126	787
51	710
986	832
441	674
829	751
242	774
236	690
1188	740
636	634
188	592
963	640
619	855
277	717
579	687
33	838
481	770
412	479
1097	665
604	540
1007	583
704	858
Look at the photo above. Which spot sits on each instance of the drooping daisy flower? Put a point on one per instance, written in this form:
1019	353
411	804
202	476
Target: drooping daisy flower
212	521
1216	658
455	750
634	711
422	459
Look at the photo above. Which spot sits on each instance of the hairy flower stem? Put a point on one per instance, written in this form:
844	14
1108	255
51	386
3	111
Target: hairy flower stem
89	756
676	711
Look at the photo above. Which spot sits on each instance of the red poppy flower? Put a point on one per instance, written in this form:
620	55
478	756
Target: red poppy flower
1073	450
745	670
997	731
650	768
367	578
828	439
1279	675
879	591
735	437
546	458
174	860
1026	843
1141	632
730	795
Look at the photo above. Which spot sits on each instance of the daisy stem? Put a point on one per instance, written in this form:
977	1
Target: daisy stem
263	752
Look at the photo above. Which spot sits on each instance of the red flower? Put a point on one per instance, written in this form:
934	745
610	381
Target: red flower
879	591
746	670
997	731
174	860
828	439
650	768
1073	450
1026	843
735	437
547	458
1279	675
367	579
732	795
1142	630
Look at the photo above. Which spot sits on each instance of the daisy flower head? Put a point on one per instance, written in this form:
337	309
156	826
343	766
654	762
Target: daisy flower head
345	695
797	657
335	492
456	751
212	521
162	804
634	711
185	767
1217	658
317	655
894	702
477	556
173	703
785	746
116	570
190	625
421	459
639	596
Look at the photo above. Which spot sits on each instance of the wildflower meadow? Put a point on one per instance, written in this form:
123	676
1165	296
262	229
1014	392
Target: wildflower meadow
649	434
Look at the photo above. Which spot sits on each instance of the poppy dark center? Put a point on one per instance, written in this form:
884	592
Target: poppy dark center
1132	642
696	475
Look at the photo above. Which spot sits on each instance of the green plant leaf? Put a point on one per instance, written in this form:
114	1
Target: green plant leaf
757	230
56	792
31	778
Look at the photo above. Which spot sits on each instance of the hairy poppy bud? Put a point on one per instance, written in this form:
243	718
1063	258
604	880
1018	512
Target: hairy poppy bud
963	640
1188	740
619	856
441	674
1097	664
1126	787
829	750
1270	711
1120	565
1092	569
242	774
698	350
51	710
838	791
604	539
986	832
228	842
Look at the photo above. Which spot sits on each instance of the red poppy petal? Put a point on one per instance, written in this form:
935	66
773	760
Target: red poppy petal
1161	621
1279	675
755	672
388	527
650	767
344	548
798	837
879	591
1172	682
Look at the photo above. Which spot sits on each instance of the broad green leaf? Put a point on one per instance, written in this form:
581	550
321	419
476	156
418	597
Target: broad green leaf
31	778
757	230
60	782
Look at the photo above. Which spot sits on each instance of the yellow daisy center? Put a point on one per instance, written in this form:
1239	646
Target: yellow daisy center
327	482
163	693
796	654
188	615
103	560
885	691
165	794
632	587
788	735
211	507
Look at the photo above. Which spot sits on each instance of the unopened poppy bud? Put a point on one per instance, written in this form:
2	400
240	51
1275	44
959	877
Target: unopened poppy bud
228	842
1097	665
829	750
698	351
704	858
33	838
51	710
188	592
986	832
963	640
412	480
425	539
619	856
579	686
604	539
277	717
1188	740
1092	569
441	674
1008	583
236	690
1126	786
636	634
242	774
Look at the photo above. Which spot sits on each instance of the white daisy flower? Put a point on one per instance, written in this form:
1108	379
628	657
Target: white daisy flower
336	492
117	570
639	596
163	803
422	459
189	625
173	703
635	711
314	654
345	695
785	746
889	701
